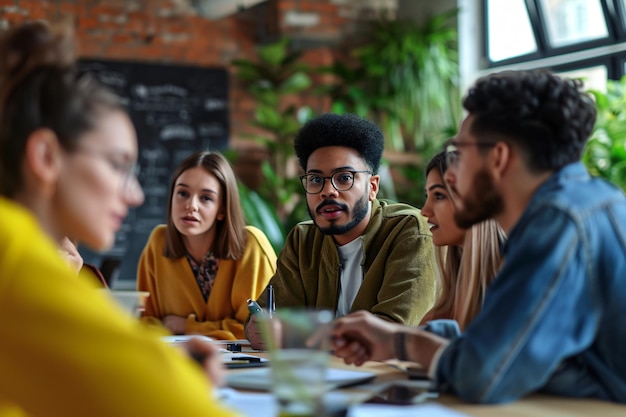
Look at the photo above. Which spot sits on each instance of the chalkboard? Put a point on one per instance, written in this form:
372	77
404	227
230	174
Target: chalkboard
176	111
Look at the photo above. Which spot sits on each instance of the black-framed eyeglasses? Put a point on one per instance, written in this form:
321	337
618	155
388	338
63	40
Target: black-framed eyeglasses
129	171
451	149
341	180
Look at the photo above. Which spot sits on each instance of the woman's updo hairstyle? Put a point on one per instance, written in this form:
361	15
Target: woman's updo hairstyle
41	88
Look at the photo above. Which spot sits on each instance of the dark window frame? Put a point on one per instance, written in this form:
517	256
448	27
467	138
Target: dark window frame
614	12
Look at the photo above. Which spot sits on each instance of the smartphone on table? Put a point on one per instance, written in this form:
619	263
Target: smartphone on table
403	394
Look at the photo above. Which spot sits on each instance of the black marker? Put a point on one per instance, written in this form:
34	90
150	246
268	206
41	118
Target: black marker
247	359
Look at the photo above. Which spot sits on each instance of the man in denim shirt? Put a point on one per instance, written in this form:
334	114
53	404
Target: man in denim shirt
553	319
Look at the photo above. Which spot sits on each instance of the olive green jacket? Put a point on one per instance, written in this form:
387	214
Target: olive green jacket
398	267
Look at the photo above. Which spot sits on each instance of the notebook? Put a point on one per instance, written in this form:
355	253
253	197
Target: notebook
260	378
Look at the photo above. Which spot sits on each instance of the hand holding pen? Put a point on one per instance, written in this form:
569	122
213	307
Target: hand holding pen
253	332
255	309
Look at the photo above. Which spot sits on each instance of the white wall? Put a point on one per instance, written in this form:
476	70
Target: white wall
470	41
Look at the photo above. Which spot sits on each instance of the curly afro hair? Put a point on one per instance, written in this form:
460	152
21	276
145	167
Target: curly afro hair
346	130
547	117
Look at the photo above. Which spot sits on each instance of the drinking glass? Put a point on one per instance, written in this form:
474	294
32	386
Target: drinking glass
299	344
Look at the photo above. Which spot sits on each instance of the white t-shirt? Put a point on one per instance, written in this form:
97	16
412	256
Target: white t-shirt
351	276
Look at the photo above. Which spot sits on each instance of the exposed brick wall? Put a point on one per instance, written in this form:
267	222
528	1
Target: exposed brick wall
171	31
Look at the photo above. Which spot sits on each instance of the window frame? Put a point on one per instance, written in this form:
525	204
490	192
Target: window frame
614	12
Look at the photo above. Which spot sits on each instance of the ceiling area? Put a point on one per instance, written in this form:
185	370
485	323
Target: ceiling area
217	9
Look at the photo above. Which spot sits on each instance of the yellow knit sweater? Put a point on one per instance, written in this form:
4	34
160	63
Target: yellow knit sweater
66	348
174	290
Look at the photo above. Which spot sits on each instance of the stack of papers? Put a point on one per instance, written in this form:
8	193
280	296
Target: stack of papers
229	359
250	404
264	405
261	379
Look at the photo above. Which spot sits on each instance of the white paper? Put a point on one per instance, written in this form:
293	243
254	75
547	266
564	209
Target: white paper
264	405
182	339
261	378
249	404
381	410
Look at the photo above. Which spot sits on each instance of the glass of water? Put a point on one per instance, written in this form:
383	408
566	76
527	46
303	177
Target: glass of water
299	352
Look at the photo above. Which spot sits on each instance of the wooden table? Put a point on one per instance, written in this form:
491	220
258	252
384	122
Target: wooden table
534	405
539	405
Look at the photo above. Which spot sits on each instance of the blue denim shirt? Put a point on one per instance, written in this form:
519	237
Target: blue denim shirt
554	319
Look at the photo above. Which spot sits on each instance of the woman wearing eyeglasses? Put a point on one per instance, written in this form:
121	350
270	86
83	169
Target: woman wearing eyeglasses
67	152
467	260
202	266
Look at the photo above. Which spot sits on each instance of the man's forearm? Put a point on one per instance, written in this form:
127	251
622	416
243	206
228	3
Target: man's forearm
422	347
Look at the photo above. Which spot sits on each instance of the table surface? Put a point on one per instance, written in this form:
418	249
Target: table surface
534	405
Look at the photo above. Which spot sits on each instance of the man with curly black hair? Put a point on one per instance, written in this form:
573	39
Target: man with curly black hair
552	319
357	252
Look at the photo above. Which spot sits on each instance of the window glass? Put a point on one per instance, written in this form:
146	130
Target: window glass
592	77
509	30
573	21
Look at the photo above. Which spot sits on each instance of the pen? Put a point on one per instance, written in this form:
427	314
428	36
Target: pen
270	300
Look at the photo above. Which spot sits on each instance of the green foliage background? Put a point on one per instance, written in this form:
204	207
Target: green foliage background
403	76
605	152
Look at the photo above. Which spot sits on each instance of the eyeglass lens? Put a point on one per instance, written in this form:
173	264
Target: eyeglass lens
342	181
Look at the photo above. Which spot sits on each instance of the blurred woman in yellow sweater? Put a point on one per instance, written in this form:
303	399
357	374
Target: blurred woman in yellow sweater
202	266
67	155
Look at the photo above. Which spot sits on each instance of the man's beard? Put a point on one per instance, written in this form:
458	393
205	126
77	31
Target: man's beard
358	214
483	203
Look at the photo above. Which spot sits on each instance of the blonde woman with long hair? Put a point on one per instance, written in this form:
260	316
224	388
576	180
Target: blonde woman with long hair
467	260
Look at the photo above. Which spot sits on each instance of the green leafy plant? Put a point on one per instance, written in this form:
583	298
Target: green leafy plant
348	93
259	213
405	77
414	76
605	152
276	74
